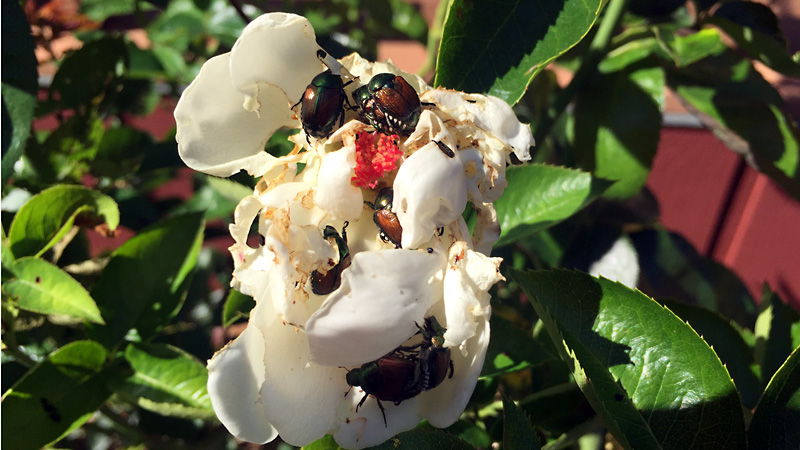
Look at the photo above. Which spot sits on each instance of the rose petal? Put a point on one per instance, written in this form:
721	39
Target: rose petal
366	428
467	280
430	191
235	376
298	400
373	312
276	50
215	134
488	113
335	194
620	263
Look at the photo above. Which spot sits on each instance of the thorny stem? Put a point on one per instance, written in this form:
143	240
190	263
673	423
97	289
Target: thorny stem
588	69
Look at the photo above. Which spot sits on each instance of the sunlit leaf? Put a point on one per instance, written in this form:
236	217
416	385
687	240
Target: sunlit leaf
166	380
48	216
44	288
539	196
498	47
144	284
652	379
617	128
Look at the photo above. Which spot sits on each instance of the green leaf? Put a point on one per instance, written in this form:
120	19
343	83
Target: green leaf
424	439
44	288
773	332
56	396
729	345
237	306
517	430
89	74
166	380
511	349
121	152
539	196
617	128
324	443
19	85
48	216
755	29
499	47
672	268
685	50
144	283
733	100
652	379
775	420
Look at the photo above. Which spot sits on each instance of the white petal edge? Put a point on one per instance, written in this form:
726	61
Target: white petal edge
382	295
235	376
490	114
215	134
278	50
366	428
299	400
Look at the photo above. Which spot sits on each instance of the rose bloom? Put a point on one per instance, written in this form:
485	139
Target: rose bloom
286	373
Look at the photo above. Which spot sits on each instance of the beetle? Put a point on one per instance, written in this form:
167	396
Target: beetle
387	221
445	149
390	378
322	104
330	281
389	104
407	371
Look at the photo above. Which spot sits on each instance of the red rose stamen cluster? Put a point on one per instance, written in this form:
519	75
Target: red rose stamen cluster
376	154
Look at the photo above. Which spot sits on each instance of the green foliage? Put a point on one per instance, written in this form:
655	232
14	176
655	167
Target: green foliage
41	287
49	215
498	47
118	332
617	343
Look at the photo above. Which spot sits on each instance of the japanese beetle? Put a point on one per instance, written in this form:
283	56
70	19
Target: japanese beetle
322	105
330	281
405	372
390	378
389	104
433	360
385	219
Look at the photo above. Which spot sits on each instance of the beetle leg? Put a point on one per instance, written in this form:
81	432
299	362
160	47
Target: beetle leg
451	369
383	411
363	400
440	231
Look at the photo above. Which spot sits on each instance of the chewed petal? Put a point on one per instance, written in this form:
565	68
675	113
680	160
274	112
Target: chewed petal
335	194
430	191
467	281
235	376
488	113
382	295
277	50
215	134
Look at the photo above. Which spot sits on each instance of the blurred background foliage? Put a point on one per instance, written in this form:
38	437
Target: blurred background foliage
114	261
